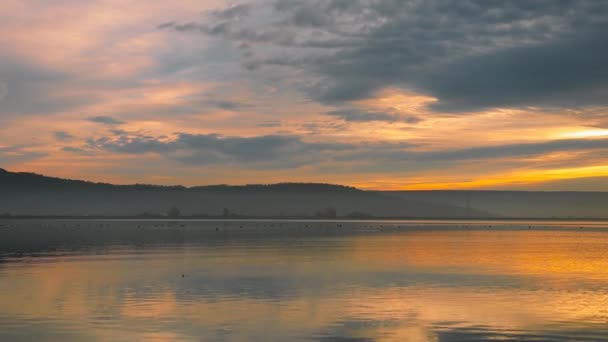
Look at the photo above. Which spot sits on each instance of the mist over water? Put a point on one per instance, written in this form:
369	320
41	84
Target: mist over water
341	281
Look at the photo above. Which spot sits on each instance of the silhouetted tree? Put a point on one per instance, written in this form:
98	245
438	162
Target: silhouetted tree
226	212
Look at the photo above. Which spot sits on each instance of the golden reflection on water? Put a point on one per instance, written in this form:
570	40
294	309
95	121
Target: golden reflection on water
537	253
416	286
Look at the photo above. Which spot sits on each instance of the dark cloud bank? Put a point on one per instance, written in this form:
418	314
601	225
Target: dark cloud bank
291	151
471	55
106	120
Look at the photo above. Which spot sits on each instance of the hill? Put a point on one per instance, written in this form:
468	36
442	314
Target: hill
513	204
32	194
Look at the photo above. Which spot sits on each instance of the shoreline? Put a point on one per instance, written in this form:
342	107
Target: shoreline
294	218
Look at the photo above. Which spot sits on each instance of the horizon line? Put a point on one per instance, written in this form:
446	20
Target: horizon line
292	182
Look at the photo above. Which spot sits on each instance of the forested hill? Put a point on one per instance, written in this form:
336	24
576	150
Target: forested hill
24	193
25	180
33	194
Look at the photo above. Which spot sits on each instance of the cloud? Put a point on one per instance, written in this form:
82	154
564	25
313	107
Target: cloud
229	105
166	25
267	152
470	55
3	90
386	156
30	89
19	154
78	150
269	124
232	12
513	67
106	120
568	73
359	115
62	136
263	152
515	150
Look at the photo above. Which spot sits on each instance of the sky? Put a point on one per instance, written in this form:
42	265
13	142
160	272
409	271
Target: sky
377	94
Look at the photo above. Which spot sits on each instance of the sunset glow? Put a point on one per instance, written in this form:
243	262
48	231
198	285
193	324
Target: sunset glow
588	134
157	95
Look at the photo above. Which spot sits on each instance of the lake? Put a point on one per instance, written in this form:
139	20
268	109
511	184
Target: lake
147	280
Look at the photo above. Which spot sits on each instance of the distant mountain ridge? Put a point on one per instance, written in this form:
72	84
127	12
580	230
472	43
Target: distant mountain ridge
33	194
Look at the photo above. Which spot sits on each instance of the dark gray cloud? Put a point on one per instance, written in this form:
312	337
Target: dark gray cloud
229	105
28	89
359	115
377	157
62	136
568	73
3	90
166	25
78	150
290	151
106	120
470	54
18	154
270	151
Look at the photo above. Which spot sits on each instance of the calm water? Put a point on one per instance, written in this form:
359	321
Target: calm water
434	282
